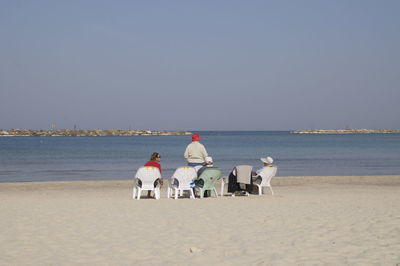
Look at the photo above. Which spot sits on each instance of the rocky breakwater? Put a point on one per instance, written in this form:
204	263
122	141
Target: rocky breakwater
345	131
94	132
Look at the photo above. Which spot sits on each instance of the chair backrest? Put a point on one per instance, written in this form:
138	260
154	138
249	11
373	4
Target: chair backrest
197	167
147	175
243	173
267	173
210	176
184	175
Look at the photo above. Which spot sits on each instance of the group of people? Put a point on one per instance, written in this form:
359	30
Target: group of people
196	156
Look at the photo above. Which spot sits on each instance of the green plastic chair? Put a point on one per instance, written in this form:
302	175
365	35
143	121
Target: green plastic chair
209	177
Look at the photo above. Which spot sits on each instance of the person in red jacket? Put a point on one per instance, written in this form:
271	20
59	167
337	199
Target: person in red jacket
154	162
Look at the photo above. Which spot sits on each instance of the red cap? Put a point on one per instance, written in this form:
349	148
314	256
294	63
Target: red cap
195	137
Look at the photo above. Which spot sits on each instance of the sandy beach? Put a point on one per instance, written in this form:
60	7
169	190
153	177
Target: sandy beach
335	220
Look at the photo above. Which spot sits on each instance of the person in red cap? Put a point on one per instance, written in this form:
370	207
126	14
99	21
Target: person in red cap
195	153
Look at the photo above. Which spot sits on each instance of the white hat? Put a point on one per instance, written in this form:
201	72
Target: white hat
209	159
267	160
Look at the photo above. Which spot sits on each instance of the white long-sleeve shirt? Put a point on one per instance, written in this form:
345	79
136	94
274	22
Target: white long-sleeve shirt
195	152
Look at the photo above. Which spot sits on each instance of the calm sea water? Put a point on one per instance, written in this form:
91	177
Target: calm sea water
100	158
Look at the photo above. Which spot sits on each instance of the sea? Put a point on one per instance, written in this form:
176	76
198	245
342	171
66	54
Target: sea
29	159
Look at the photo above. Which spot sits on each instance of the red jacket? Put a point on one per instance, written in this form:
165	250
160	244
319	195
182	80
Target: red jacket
154	164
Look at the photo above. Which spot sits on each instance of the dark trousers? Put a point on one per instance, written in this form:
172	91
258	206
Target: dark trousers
234	186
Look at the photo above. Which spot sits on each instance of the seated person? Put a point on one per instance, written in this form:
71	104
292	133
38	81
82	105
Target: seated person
155	162
208	164
267	163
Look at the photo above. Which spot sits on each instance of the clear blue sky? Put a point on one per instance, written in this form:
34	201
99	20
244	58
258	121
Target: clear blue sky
200	65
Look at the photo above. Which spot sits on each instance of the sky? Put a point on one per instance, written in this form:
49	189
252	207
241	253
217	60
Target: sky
200	65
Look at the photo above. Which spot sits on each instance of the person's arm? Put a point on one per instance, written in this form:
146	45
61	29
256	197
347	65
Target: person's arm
186	153
259	171
204	152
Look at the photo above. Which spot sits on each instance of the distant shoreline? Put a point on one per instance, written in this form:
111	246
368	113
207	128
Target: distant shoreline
345	131
87	133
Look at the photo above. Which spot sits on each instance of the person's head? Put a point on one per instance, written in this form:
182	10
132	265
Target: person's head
155	157
267	160
209	160
196	137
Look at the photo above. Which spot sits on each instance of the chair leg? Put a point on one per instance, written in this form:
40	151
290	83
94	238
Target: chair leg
157	193
139	193
272	192
222	187
216	193
259	190
168	192
134	193
176	193
191	194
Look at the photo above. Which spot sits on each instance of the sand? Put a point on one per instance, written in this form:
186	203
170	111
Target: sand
309	221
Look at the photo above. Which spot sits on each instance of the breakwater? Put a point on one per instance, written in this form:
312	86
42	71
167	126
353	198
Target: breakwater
94	132
345	131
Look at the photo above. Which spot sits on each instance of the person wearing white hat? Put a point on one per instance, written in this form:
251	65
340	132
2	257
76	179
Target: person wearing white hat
267	160
267	163
267	172
209	163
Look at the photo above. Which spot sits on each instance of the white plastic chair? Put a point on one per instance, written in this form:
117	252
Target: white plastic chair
266	175
181	180
197	167
243	174
147	176
209	176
